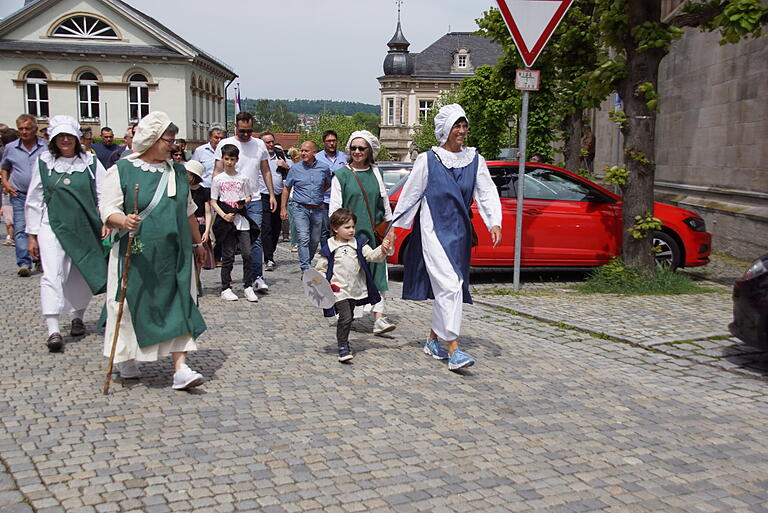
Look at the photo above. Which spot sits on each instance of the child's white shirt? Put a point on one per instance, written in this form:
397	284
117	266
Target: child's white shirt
230	189
347	273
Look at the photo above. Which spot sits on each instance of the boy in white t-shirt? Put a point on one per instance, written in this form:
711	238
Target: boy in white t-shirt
230	193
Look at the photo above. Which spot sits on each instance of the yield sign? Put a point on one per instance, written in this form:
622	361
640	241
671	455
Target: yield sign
532	23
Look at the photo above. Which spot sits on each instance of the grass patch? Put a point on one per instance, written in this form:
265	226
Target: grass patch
617	278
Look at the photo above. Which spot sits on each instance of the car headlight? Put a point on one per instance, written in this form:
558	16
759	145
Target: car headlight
757	268
696	224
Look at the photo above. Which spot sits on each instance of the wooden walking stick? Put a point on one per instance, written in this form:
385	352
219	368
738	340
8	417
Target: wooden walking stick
123	288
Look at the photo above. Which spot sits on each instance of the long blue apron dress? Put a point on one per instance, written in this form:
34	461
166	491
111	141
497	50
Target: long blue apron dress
449	196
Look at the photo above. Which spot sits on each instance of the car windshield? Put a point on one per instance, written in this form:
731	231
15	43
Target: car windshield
393	173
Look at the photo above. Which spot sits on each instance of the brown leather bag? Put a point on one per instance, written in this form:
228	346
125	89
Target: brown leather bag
379	230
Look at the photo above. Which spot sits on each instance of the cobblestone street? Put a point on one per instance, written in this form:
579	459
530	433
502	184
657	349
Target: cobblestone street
574	405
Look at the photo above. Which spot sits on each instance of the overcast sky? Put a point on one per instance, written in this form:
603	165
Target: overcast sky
316	49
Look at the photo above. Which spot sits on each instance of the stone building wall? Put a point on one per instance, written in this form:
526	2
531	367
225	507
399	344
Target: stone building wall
711	135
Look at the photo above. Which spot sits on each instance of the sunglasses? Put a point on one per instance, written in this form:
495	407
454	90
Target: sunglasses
244	131
168	141
358	148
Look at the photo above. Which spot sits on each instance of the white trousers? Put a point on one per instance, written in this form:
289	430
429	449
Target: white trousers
62	287
446	284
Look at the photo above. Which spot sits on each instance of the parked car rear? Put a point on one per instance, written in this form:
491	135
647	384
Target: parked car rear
750	305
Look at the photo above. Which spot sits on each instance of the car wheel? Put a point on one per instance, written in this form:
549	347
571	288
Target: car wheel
666	250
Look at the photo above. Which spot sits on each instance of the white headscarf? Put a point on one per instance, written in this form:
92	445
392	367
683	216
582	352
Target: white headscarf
63	125
149	130
371	139
446	117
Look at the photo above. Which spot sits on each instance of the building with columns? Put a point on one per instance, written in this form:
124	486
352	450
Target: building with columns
107	64
413	81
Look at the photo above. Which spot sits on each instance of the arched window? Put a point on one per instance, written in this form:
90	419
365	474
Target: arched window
37	93
138	97
88	96
84	27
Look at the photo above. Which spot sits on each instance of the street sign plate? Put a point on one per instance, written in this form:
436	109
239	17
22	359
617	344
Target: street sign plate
527	80
532	23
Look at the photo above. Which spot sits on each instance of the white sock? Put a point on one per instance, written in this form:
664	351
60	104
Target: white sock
78	314
52	321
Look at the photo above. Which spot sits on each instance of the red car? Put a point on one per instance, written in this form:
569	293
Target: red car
569	221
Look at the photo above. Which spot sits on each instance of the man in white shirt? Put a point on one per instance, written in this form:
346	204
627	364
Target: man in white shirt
252	164
271	222
205	154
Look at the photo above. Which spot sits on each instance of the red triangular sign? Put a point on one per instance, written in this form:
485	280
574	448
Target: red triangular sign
532	23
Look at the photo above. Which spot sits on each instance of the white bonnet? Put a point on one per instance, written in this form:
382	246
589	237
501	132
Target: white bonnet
149	130
371	139
446	118
63	125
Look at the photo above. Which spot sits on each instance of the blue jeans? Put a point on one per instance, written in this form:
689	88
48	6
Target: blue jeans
309	226
257	254
326	233
20	230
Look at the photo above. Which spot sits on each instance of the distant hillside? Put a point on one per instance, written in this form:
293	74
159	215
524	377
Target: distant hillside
311	107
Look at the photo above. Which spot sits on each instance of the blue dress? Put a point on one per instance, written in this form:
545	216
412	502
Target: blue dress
449	196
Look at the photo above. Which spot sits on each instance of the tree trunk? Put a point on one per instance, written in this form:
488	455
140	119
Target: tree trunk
573	125
639	135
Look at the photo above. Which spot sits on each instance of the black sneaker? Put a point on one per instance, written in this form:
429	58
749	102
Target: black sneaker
345	354
55	343
24	271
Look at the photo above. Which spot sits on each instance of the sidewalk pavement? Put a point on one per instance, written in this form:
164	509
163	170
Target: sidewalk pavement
551	419
693	326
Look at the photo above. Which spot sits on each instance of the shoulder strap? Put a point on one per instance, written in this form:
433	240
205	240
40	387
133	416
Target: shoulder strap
365	196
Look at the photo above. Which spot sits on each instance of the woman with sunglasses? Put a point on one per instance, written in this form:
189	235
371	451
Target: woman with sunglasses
358	186
437	199
160	315
64	228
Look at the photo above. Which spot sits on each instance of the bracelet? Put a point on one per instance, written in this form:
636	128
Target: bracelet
197	244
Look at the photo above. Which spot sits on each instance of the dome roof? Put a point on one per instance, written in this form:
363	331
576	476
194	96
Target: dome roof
398	60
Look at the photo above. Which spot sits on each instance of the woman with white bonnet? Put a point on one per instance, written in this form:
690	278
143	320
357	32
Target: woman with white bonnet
160	315
65	230
436	200
358	186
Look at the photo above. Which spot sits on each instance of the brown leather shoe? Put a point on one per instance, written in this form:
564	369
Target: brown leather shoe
55	343
78	328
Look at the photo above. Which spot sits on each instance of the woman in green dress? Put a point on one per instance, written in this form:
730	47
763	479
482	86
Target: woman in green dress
64	228
358	186
160	314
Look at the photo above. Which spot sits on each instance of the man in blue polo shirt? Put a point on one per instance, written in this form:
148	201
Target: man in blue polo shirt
308	179
18	164
334	159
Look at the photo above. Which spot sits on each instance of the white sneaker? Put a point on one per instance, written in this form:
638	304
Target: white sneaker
381	326
260	285
269	265
186	378
229	295
128	369
250	295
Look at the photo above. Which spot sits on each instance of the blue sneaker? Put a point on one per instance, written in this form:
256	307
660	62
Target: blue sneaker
433	349
345	354
459	360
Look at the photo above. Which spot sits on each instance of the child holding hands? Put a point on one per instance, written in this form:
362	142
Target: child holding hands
344	261
230	193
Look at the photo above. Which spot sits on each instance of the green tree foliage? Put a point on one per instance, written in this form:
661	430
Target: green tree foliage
312	107
343	126
368	120
274	116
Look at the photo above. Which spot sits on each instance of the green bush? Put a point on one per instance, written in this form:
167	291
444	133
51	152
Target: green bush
617	278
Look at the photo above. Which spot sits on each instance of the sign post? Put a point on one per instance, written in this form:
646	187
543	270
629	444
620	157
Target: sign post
531	23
